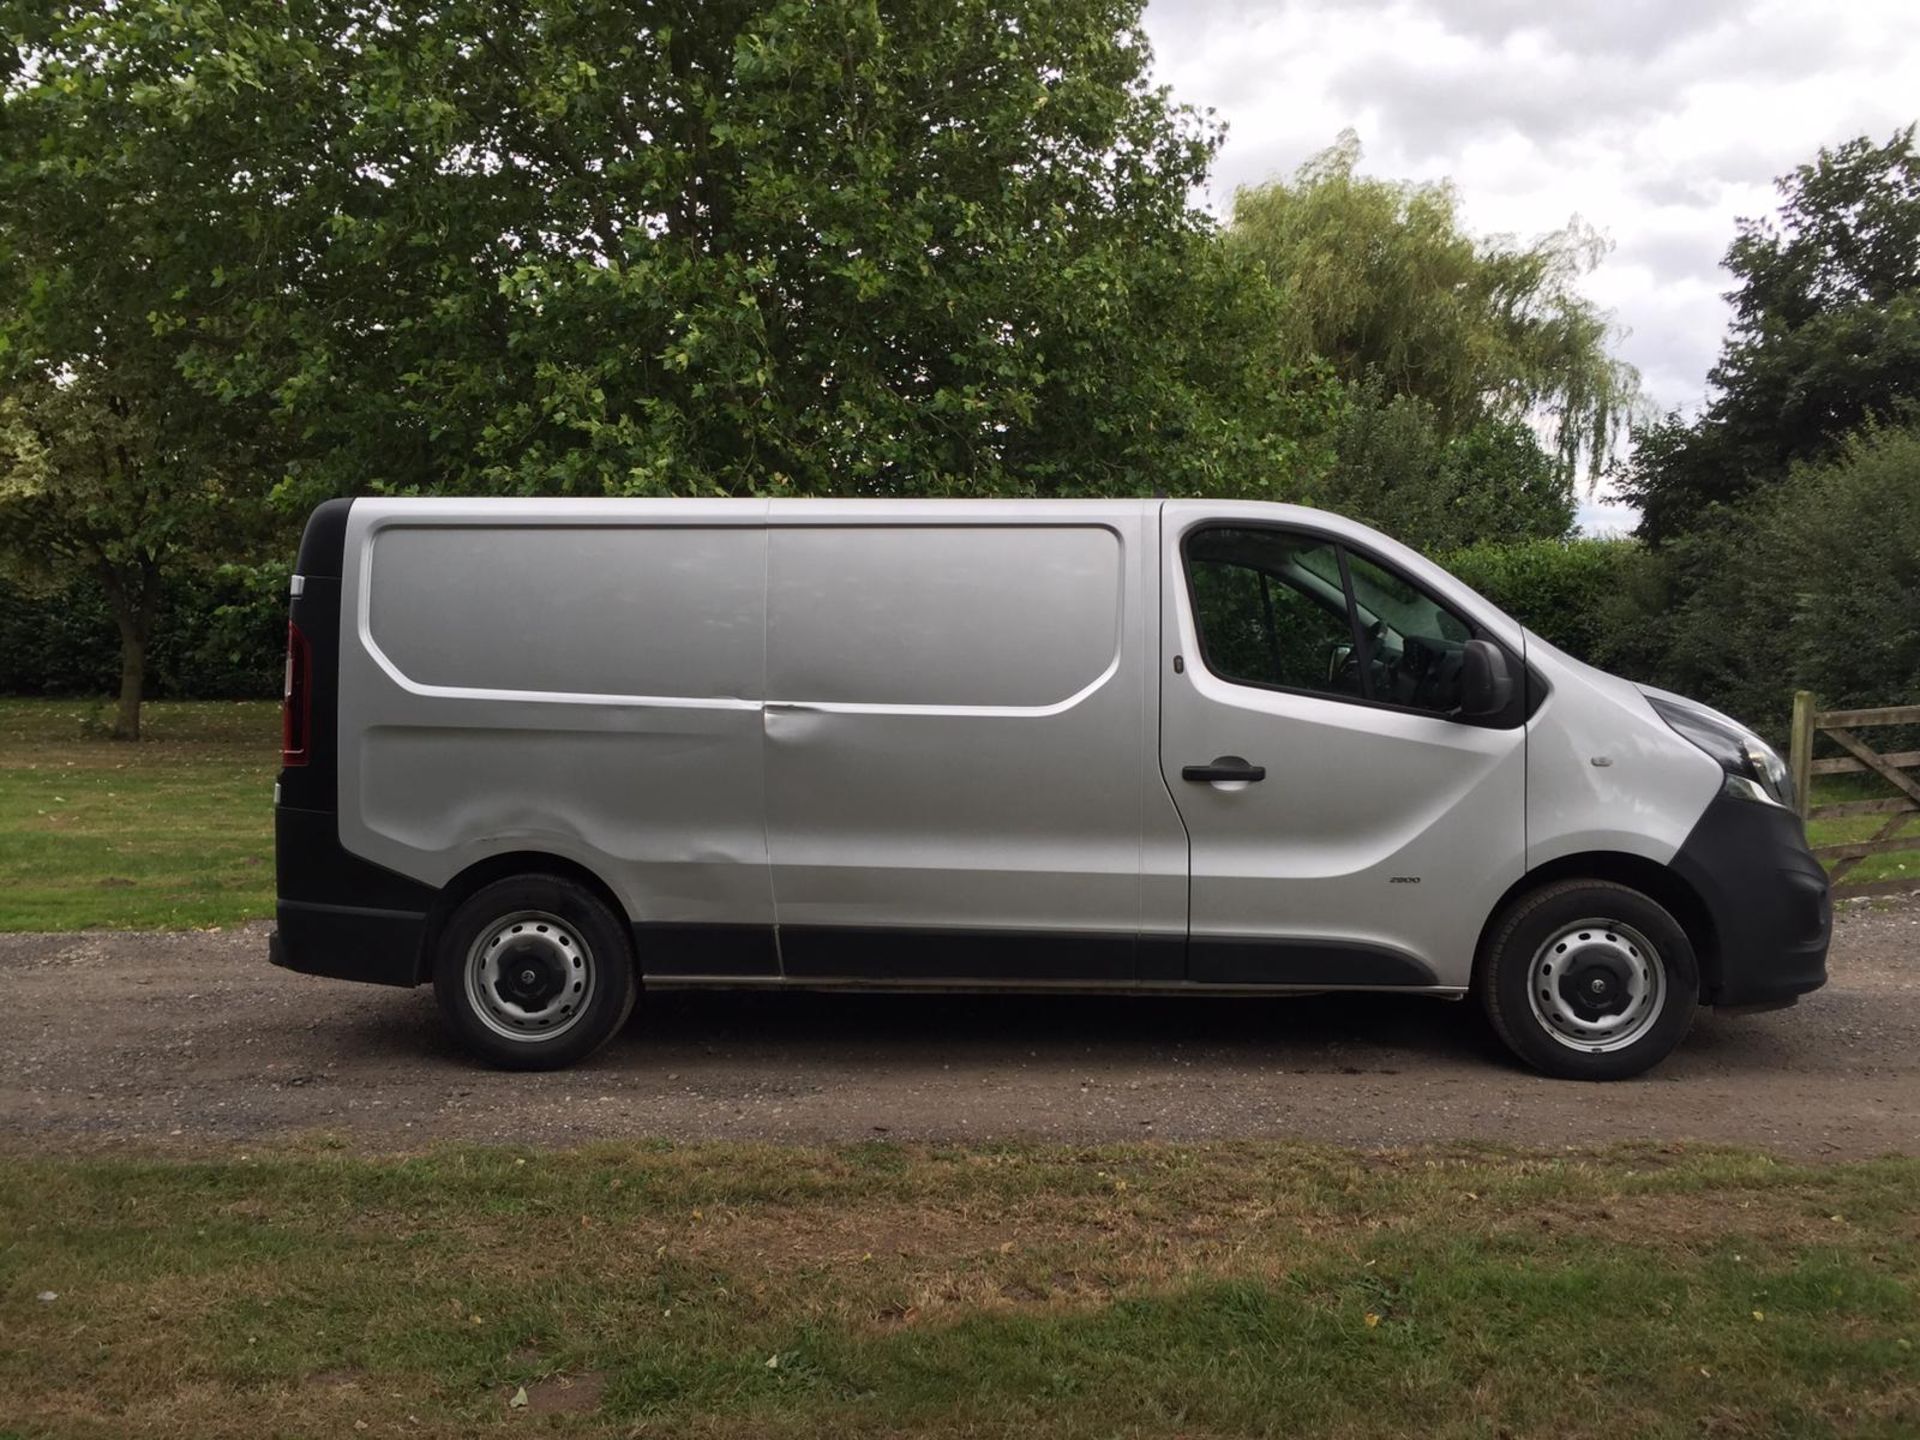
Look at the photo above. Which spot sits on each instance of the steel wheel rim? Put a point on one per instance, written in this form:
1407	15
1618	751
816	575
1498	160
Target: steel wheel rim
1597	986
529	976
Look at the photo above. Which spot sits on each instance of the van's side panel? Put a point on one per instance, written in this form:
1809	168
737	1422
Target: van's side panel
574	678
955	727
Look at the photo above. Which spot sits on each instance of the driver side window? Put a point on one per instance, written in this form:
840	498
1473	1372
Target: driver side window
1294	612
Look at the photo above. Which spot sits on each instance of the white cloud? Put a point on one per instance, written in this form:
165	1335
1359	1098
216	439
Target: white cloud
1659	123
1606	519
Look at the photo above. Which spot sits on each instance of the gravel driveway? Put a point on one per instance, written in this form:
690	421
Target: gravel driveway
189	1040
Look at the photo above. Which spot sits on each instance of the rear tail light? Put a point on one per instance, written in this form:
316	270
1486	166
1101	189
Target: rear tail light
296	704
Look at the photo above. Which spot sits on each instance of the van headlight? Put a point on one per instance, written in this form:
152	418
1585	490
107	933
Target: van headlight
1754	768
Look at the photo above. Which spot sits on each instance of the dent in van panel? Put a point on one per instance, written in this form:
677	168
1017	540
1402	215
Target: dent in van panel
581	610
666	812
942	616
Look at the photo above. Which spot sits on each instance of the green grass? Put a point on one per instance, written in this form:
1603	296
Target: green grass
177	831
173	832
882	1290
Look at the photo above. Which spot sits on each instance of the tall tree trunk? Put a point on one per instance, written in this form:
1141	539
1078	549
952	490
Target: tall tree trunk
133	679
134	594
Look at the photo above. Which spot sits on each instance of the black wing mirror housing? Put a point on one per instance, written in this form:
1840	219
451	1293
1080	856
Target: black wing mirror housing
1486	680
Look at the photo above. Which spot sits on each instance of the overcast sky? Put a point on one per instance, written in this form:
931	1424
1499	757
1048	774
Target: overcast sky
1657	121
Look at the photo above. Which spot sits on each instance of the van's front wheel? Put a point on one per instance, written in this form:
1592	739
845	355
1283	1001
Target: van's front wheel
1589	980
533	972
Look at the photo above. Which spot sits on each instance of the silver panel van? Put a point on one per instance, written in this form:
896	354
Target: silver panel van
547	754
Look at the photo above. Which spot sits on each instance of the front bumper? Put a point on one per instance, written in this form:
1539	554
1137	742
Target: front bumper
1768	901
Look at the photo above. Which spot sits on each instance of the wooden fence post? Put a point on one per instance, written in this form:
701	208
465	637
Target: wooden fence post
1801	752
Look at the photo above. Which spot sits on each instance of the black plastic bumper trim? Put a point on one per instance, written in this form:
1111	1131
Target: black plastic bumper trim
314	868
344	942
1768	900
366	911
338	914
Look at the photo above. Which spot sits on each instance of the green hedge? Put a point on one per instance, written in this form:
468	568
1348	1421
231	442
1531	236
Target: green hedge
221	637
1569	591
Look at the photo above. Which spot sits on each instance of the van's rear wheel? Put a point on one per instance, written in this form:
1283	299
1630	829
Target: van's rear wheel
1589	980
534	972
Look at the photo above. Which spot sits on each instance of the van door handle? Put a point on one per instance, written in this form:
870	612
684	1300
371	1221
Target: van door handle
1227	767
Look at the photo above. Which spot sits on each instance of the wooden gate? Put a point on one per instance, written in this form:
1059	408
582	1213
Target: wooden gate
1839	727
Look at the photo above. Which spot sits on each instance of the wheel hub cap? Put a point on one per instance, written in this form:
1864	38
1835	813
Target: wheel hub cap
1597	986
529	976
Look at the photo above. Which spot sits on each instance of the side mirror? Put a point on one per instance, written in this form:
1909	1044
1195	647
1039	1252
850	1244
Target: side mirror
1486	680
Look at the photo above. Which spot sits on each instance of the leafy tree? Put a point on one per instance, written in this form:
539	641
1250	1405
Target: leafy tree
600	246
1825	337
1561	589
143	206
101	481
1380	279
93	483
1851	526
914	248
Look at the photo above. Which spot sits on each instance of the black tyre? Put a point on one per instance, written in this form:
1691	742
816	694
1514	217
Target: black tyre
534	972
1589	980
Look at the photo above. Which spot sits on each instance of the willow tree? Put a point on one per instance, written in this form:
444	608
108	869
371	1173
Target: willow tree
1381	280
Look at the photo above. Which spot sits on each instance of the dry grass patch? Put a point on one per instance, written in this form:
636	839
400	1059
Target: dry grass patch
727	1290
